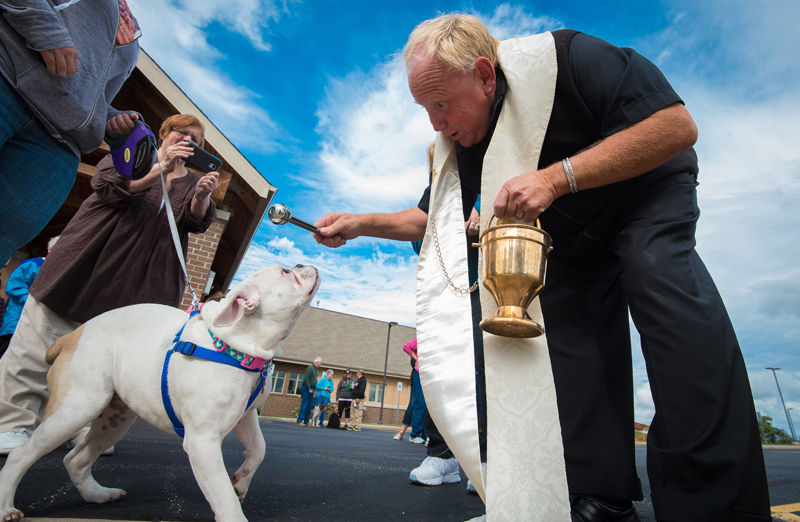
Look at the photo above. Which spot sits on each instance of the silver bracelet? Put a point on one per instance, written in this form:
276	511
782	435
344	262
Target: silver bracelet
573	186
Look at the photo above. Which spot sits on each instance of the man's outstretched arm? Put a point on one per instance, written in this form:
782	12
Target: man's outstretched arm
335	228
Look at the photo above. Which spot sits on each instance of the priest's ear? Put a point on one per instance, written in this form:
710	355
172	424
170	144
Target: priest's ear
485	73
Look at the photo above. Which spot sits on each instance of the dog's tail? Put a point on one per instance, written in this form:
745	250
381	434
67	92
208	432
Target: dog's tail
67	343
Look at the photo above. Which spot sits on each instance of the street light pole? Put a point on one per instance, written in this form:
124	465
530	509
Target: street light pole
385	365
784	404
791	423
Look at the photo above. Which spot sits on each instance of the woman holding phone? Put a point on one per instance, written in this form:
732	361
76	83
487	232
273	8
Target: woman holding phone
116	251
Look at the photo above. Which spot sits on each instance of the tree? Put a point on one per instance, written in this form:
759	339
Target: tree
773	435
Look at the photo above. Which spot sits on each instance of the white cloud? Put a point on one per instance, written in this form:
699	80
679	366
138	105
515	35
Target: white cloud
177	37
511	21
374	136
380	286
749	186
373	142
643	407
780	297
767	398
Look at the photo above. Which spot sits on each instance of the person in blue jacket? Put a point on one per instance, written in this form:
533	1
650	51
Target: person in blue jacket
17	288
61	64
324	387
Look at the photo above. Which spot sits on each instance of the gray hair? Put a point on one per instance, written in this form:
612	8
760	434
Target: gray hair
318	359
329	372
456	39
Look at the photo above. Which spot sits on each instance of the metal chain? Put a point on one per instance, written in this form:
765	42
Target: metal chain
441	262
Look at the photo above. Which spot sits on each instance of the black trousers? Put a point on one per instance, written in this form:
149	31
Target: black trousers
344	407
5	340
704	456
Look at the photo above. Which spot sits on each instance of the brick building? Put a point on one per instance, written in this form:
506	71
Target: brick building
242	197
345	342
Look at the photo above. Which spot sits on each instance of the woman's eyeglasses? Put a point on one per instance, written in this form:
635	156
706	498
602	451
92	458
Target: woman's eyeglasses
183	132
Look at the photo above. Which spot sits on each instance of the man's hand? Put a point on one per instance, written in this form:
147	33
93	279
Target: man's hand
473	224
525	197
122	122
62	61
335	228
629	153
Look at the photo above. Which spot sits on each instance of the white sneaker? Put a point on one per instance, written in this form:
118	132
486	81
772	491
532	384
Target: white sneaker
470	487
416	440
434	471
12	439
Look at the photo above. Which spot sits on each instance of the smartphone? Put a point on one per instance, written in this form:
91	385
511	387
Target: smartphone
202	160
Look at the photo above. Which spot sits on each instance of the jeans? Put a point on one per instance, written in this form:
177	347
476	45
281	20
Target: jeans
325	401
306	403
36	173
418	411
409	410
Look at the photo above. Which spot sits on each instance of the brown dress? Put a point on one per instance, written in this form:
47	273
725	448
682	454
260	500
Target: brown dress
118	250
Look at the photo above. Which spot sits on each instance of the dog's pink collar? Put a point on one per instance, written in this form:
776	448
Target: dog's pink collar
247	361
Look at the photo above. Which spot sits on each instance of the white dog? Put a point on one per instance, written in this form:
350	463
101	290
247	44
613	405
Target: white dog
110	370
315	413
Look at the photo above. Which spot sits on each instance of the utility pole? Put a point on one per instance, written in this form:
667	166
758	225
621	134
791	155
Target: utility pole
385	365
784	404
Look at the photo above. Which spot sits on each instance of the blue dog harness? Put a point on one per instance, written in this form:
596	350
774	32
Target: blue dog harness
229	356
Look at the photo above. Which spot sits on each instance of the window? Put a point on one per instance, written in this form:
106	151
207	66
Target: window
295	383
278	379
375	392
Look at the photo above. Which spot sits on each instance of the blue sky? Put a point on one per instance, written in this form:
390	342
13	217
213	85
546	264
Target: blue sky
312	94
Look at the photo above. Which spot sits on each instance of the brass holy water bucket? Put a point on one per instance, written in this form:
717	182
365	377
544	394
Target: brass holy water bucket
514	261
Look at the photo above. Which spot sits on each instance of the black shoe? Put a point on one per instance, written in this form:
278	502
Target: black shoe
593	509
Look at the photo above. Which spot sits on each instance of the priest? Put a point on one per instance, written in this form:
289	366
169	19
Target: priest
592	140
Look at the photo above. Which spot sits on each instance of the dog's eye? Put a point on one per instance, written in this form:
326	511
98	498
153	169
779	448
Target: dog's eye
284	271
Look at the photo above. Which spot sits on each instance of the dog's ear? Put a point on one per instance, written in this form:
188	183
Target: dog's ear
236	306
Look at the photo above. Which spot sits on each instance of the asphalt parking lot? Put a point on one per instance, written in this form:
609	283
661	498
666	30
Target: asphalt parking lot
308	474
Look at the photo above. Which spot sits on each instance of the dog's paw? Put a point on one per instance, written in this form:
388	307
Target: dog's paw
239	475
12	513
240	486
101	495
